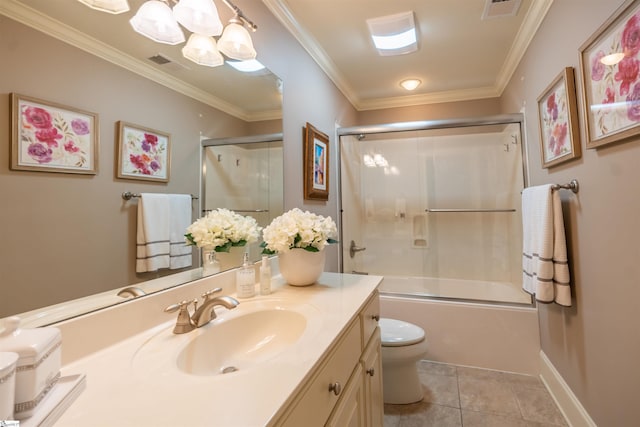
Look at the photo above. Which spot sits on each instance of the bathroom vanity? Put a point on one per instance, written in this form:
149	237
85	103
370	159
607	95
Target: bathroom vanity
300	356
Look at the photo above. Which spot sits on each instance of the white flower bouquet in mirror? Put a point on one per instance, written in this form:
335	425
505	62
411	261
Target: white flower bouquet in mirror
298	229
222	229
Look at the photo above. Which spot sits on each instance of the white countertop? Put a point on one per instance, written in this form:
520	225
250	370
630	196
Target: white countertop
122	392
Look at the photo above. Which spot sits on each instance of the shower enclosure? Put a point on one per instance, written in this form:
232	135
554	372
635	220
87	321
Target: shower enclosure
245	175
434	207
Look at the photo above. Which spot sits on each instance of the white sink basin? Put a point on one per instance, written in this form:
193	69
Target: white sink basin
241	342
238	340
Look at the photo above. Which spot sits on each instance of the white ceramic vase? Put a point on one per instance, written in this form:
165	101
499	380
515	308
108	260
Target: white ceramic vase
231	259
300	267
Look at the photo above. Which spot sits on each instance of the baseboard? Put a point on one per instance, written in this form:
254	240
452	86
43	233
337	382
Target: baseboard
571	408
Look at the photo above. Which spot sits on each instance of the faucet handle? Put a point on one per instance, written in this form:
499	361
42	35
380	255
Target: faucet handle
207	295
184	323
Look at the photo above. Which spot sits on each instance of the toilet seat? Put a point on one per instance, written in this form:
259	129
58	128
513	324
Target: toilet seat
397	333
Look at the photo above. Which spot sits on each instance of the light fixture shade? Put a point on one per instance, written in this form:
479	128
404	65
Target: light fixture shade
202	50
236	43
110	6
198	16
410	84
155	20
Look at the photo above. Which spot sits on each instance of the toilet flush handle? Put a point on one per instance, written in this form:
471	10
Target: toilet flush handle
336	388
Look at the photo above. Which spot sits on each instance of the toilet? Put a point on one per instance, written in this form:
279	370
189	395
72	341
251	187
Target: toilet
403	344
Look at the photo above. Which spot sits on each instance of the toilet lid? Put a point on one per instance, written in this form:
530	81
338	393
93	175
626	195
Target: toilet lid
397	333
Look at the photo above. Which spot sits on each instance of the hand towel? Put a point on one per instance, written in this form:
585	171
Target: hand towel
545	267
152	235
179	220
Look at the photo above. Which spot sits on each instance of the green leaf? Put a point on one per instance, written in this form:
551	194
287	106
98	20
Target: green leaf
223	248
239	243
189	238
266	251
332	241
311	249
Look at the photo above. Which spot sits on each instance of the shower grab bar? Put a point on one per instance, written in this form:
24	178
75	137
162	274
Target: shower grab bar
469	210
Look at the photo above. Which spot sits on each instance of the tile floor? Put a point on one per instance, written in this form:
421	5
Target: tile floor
456	396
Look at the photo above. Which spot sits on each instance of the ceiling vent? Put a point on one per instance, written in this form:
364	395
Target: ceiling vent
167	62
500	8
159	59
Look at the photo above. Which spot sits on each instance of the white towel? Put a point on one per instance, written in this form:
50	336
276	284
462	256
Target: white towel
545	267
152	236
179	220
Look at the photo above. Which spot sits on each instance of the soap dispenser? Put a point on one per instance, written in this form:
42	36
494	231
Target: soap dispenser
265	276
245	279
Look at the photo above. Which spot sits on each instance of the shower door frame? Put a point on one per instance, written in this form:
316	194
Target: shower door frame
500	119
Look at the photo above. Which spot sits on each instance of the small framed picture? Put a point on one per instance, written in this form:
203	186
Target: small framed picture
558	115
143	153
50	137
316	164
611	90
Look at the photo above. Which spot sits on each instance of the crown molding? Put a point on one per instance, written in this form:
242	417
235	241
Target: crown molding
38	21
528	29
428	98
319	55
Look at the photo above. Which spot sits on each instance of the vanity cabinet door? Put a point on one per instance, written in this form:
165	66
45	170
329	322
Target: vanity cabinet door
350	410
329	385
372	371
369	317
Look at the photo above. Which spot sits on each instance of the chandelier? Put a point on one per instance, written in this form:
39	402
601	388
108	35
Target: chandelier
159	22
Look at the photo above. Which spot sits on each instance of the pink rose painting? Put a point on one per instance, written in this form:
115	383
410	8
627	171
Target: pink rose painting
52	138
612	74
555	111
144	153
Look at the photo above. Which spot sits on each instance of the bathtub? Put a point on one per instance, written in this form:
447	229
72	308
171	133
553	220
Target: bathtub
503	337
461	289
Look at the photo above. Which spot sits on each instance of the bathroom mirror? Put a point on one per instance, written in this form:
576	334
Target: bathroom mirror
245	175
51	222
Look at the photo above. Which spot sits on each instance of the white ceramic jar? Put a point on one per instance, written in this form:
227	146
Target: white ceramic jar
8	361
38	366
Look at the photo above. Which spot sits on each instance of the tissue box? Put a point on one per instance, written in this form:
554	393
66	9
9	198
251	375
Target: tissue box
38	367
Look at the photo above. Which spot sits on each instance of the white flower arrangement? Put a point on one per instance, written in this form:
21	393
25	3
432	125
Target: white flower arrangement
298	229
222	229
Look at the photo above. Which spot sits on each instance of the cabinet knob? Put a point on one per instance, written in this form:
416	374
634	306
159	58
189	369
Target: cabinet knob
376	317
336	388
371	372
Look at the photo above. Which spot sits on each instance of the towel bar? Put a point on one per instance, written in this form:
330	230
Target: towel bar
128	195
573	186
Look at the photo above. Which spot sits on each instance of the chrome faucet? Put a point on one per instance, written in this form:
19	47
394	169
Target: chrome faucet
206	312
203	314
131	291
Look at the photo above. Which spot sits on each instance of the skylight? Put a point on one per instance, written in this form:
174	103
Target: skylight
394	34
248	66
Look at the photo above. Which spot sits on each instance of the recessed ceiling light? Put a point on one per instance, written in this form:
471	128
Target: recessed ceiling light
394	34
248	66
410	84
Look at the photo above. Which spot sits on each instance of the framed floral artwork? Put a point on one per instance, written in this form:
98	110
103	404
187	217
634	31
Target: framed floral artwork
50	137
316	164
610	66
143	153
558	116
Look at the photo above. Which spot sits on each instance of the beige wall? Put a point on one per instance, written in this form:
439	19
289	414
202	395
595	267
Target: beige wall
444	110
64	235
595	345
